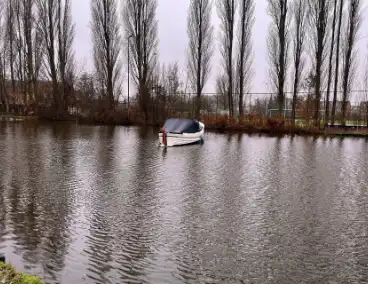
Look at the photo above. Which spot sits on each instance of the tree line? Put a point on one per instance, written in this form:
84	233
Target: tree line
311	40
324	31
36	39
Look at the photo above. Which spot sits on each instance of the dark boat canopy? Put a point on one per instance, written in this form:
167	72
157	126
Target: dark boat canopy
181	125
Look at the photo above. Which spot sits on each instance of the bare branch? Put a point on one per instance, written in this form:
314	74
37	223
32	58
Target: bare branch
221	90
173	78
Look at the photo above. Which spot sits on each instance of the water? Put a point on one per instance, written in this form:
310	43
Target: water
85	204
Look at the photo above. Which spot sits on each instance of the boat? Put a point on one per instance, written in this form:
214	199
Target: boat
181	131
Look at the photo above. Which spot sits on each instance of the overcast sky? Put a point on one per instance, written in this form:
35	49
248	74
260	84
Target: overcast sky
172	33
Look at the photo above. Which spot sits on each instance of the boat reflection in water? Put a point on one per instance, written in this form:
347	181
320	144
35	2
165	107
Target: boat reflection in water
181	131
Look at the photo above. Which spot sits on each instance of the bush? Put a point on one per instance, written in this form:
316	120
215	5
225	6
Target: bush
10	276
275	123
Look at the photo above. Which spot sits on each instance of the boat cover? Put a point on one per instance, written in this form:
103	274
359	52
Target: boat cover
181	125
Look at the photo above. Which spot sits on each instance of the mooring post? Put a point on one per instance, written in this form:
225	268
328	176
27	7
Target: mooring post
2	257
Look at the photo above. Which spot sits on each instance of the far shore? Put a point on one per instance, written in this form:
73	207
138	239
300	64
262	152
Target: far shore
259	126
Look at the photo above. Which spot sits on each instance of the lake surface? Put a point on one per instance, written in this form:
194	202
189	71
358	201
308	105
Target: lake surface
87	204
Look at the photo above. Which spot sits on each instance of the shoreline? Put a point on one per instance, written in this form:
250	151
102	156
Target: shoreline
217	127
287	131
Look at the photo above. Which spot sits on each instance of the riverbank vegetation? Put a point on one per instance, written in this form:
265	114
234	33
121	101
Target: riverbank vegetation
40	76
8	274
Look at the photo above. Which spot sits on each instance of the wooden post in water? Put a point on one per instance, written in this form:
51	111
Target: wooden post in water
164	141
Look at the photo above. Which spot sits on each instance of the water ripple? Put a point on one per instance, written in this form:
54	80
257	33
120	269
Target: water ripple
82	204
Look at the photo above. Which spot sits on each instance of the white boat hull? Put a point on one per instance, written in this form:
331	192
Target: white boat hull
173	139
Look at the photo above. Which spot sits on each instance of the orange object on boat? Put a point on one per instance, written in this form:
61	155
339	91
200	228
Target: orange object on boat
164	142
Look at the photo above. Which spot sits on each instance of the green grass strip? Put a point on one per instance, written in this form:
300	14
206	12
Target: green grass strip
9	275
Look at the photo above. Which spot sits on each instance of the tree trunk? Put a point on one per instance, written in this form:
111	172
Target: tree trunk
230	58
282	40
199	61
327	109
241	68
353	26
19	51
10	15
333	114
60	51
320	47
51	54
296	82
318	94
29	46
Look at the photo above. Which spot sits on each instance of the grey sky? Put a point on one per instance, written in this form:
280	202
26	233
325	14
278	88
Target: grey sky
172	32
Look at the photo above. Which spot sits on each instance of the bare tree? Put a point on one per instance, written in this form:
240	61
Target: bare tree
10	34
140	25
173	79
171	83
66	32
221	90
38	57
354	22
244	64
106	46
48	15
338	35
327	106
21	25
278	46
2	20
2	55
226	11
365	86
20	62
200	33
28	26
58	34
319	24
300	21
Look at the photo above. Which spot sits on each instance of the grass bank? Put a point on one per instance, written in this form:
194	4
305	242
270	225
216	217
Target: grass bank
269	126
9	275
253	128
259	125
